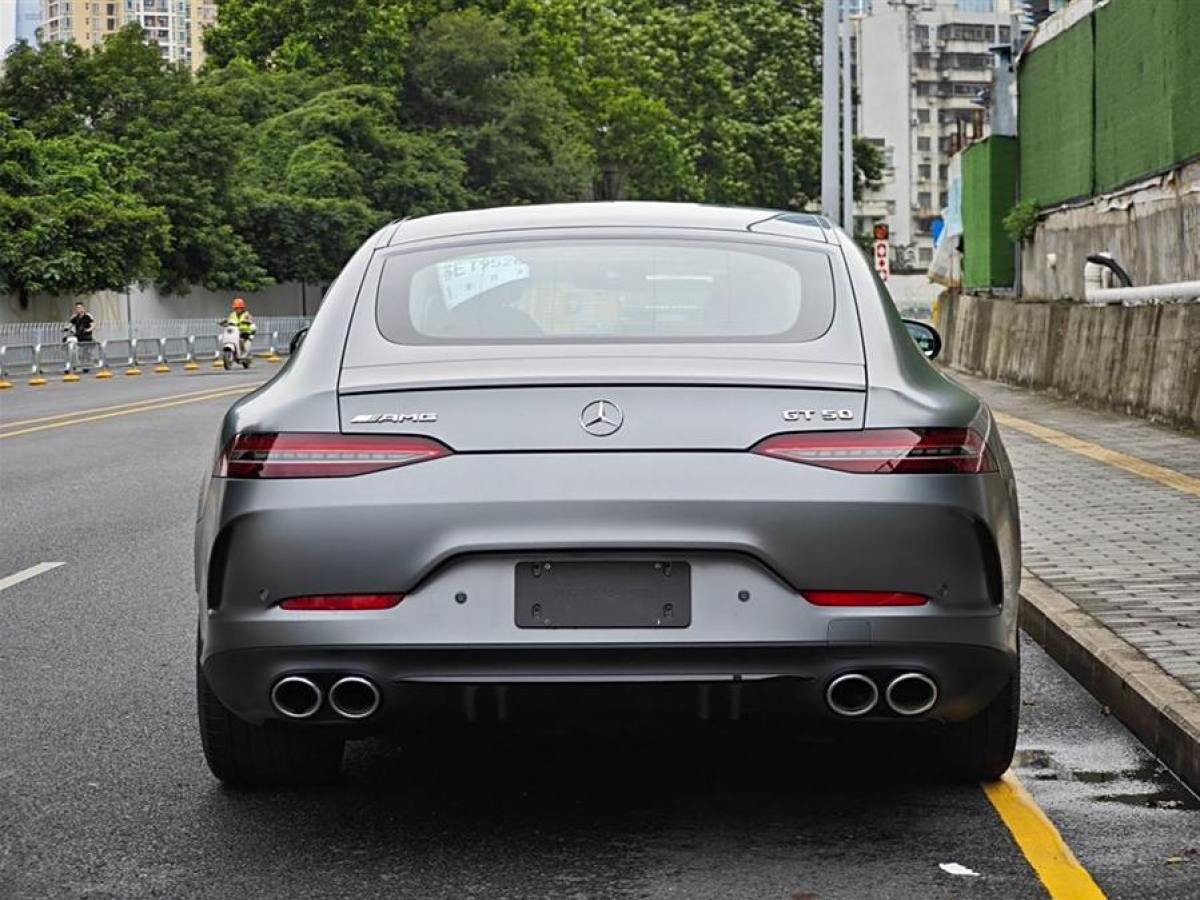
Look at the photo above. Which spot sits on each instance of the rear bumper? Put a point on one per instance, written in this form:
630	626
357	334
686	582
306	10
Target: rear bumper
766	684
449	533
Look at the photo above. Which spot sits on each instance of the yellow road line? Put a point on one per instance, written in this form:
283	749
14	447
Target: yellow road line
1136	465
1040	841
129	412
131	403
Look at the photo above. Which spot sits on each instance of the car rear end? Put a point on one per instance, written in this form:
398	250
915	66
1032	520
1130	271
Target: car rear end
655	460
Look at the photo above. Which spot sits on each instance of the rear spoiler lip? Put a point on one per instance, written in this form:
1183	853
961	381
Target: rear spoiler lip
448	374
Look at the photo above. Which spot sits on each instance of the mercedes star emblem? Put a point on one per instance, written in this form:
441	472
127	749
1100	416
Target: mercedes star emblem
601	418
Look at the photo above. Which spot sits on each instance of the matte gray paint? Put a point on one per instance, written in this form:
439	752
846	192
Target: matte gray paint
461	522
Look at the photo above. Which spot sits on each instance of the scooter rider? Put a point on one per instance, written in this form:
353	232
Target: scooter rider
241	317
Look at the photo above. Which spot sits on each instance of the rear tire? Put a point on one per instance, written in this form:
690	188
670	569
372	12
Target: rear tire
227	359
981	748
245	755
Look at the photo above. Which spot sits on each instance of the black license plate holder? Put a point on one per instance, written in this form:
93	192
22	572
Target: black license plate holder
603	594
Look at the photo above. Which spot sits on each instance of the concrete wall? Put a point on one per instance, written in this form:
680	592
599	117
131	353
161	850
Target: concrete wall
1141	360
1153	231
147	303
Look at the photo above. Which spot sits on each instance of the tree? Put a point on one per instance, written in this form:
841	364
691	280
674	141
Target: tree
68	222
176	148
521	139
317	179
365	39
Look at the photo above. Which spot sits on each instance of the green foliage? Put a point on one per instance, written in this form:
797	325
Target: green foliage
317	179
365	39
315	121
1021	221
68	221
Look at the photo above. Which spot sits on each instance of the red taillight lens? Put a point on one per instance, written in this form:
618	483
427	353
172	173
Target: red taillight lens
342	602
863	598
268	455
902	451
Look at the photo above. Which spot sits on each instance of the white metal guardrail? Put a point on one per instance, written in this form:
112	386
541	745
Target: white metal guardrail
18	360
15	333
23	355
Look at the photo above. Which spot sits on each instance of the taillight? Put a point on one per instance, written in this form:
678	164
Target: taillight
863	598
885	450
320	455
342	602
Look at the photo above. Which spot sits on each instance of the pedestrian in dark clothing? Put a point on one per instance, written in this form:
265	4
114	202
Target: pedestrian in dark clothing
82	326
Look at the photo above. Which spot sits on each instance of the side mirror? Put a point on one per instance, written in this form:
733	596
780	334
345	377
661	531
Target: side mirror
925	336
297	340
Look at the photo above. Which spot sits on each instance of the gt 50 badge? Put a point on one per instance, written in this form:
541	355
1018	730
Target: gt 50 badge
827	415
382	418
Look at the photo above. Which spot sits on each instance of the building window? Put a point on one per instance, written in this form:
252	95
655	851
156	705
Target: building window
923	116
943	172
924	200
943	199
975	6
924	171
923	143
959	31
925	254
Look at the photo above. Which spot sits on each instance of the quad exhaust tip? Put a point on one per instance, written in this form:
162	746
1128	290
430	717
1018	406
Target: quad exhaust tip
852	695
353	697
296	697
911	694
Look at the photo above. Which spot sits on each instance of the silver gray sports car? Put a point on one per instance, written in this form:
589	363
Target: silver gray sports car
614	457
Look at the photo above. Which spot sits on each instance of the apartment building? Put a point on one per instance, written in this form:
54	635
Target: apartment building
176	27
19	21
924	74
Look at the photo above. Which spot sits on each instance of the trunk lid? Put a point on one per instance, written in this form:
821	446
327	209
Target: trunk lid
589	401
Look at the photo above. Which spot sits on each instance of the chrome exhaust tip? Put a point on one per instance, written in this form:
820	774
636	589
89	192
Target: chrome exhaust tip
296	697
353	697
911	694
852	695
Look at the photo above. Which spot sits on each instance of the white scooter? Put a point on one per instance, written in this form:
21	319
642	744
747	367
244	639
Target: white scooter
233	350
77	358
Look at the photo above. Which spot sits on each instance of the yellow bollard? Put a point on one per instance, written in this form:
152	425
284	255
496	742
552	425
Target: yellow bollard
70	378
5	384
133	370
104	373
37	381
162	367
217	364
191	366
274	357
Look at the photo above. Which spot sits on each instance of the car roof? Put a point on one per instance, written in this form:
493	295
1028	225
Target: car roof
611	214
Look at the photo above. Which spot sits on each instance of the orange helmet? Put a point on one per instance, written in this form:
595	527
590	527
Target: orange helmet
239	303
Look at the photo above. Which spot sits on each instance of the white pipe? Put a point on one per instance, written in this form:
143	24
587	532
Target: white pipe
1175	290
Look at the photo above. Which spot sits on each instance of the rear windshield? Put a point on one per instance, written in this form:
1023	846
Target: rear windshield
597	290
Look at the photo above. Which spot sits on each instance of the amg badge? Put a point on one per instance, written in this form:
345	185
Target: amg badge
388	418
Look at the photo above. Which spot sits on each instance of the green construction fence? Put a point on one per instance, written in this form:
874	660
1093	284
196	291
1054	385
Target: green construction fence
989	174
1114	98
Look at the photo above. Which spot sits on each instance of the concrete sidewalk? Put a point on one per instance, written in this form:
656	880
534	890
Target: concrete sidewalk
1110	509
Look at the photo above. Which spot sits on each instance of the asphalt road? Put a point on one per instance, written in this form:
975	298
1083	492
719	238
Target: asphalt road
103	791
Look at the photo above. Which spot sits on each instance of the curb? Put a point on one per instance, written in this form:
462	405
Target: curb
1161	711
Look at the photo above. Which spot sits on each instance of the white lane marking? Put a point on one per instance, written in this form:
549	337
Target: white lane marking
25	574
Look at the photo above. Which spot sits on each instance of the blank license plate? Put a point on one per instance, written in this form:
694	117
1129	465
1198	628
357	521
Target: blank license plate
610	594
